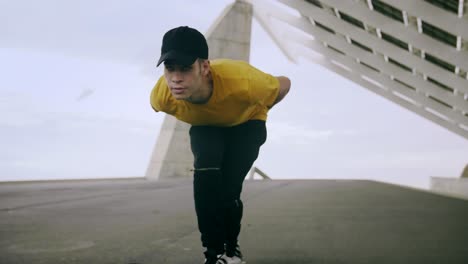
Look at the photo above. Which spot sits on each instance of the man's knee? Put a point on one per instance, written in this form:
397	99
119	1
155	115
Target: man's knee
207	173
201	169
207	186
207	161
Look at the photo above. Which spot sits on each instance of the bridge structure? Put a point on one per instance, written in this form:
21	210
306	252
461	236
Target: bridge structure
413	53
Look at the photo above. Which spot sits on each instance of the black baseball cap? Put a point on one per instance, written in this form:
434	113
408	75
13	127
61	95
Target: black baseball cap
183	45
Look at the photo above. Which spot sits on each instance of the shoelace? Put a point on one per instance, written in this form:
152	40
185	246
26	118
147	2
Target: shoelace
219	260
235	252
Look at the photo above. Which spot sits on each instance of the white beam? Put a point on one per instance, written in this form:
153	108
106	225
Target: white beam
369	40
265	21
417	100
444	20
353	76
388	25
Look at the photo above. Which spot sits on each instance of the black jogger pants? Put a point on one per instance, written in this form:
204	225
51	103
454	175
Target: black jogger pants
223	157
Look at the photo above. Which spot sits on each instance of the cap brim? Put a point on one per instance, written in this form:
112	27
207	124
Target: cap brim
177	58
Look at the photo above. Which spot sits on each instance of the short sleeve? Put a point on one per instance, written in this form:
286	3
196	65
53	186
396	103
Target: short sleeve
264	87
154	99
160	98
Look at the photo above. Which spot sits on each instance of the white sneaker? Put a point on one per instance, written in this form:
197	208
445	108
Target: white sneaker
219	259
233	255
232	260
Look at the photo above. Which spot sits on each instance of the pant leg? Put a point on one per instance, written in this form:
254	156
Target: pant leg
207	145
243	144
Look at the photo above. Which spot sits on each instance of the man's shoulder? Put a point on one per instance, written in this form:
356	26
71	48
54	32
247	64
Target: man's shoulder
160	89
161	82
229	66
228	62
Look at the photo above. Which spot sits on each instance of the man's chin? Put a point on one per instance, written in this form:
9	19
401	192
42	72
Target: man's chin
179	96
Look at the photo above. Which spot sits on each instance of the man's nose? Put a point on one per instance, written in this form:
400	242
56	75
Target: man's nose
176	77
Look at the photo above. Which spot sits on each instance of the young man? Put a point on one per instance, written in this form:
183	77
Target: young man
226	102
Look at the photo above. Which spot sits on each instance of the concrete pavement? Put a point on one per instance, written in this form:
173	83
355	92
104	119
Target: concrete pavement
300	222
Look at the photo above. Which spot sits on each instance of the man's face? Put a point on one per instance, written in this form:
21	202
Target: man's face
183	80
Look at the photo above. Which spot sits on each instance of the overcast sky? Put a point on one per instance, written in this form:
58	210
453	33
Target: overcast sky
74	101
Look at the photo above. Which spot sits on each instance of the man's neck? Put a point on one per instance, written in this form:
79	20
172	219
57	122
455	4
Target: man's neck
205	93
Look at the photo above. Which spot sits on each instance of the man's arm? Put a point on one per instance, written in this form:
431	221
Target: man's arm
285	84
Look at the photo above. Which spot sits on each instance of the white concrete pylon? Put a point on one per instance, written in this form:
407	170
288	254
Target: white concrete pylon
228	37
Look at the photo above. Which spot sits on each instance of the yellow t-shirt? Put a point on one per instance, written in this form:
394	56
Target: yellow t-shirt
240	93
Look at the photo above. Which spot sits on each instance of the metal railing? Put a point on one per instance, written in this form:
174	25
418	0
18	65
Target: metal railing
254	170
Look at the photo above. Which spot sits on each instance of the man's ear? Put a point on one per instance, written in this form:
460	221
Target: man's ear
206	67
